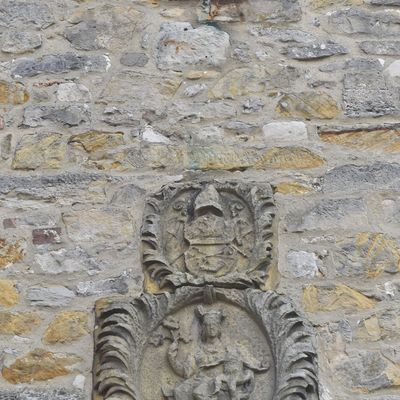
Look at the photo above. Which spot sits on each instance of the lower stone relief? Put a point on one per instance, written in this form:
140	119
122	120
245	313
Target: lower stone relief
204	343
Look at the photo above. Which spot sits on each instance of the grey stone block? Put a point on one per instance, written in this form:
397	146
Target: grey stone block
18	42
53	296
58	64
36	13
180	45
351	177
383	48
314	51
73	115
367	94
355	21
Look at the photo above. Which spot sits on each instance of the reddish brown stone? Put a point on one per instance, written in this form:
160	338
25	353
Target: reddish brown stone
46	235
9	223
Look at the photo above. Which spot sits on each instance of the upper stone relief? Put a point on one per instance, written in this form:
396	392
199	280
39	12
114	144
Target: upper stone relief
208	233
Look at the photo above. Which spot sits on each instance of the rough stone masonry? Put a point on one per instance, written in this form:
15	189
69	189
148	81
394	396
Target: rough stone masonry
103	102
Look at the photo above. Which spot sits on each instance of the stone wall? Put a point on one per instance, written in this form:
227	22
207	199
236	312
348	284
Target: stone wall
104	102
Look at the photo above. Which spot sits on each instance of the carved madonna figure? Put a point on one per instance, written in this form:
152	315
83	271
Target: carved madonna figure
209	332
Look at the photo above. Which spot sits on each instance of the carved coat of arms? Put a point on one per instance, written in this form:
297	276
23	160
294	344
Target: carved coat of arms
207	331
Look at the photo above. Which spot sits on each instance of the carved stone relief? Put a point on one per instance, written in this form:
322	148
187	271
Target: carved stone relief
203	343
212	334
217	233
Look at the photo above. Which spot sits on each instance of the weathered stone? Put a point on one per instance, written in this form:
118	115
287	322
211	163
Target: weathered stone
69	261
393	70
38	150
240	82
9	223
93	141
71	115
376	176
10	253
17	13
241	52
52	296
221	157
101	150
180	46
39	365
354	64
19	42
308	105
355	21
150	135
291	131
274	11
5	147
302	264
46	236
292	188
67	185
133	59
283	35
9	295
368	94
384	2
127	195
364	370
58	64
42	394
194	74
133	87
159	156
114	116
328	3
73	92
386	139
194	90
340	297
390	210
199	111
314	51
240	127
329	214
289	158
13	93
367	255
369	329
103	287
252	105
68	326
91	226
383	48
18	323
102	27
